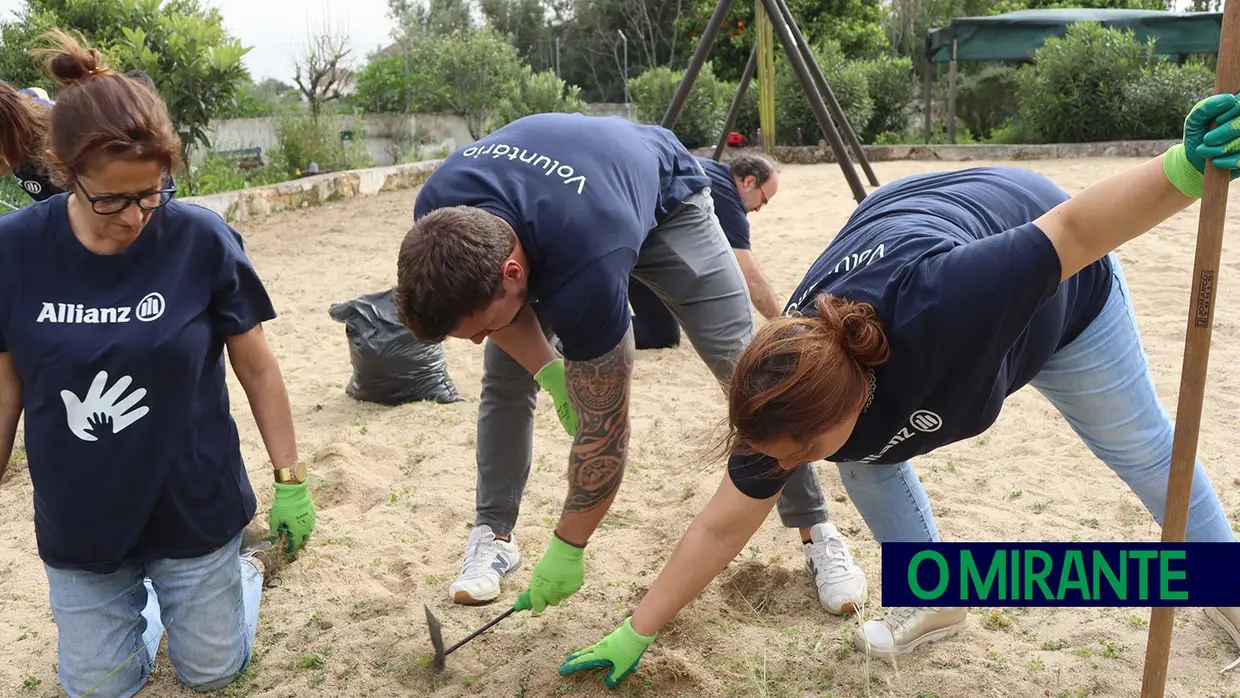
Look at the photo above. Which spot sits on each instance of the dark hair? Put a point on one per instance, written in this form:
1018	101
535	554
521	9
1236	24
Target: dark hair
745	165
23	136
141	76
102	115
449	267
801	375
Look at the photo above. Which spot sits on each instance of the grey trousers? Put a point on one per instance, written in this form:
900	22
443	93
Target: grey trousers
687	261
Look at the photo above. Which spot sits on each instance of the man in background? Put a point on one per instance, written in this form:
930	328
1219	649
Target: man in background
745	184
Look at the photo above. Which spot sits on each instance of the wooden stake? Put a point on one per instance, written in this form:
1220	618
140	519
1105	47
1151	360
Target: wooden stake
1196	358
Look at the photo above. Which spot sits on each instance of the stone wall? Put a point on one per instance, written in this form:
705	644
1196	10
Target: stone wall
311	191
389	138
811	155
256	202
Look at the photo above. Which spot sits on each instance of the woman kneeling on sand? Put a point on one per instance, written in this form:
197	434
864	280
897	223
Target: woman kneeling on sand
942	295
116	305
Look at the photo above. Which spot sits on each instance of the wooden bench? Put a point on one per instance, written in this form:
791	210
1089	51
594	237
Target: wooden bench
246	158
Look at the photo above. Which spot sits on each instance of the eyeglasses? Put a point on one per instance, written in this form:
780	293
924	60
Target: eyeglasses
112	204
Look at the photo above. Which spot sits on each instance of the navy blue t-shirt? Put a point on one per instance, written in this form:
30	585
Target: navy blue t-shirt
582	194
728	207
30	176
132	450
967	289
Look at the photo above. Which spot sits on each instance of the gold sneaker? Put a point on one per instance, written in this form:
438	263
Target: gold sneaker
1229	620
903	630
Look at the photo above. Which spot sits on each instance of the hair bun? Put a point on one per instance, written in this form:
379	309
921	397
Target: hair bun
857	327
69	62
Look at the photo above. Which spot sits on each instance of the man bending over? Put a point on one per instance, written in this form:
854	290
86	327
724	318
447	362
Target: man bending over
536	230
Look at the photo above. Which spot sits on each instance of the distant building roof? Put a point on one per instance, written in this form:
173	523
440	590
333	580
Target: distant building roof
1014	36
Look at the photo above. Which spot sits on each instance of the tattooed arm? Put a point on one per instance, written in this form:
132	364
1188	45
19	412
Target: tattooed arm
599	389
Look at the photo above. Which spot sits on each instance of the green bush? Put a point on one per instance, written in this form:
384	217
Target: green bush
747	120
1074	91
1157	102
1013	132
890	83
382	86
304	139
847	80
217	173
988	99
916	135
539	93
701	120
12	194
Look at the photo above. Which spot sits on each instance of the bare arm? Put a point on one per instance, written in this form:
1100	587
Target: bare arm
1091	224
717	535
258	371
761	292
10	408
525	342
599	391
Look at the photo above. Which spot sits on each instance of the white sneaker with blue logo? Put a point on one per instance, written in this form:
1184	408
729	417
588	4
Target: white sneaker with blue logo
487	560
842	588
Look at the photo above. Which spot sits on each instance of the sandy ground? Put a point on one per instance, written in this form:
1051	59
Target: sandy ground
395	495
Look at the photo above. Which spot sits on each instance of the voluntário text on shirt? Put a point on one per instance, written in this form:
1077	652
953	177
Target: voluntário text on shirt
550	166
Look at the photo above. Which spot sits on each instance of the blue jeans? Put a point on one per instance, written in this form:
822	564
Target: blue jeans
107	622
1101	384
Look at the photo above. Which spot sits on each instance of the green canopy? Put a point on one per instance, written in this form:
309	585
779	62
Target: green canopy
1014	36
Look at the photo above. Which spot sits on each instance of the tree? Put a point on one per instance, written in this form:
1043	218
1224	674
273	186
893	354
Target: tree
196	66
531	26
181	44
383	86
419	18
854	25
265	98
95	20
479	70
323	71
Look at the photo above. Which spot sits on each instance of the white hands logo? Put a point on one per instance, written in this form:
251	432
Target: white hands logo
92	416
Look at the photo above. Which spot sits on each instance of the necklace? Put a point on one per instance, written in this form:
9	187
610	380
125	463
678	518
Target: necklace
870	398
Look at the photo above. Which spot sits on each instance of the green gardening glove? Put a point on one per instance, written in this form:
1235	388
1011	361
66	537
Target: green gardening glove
560	572
551	378
1185	162
620	652
292	512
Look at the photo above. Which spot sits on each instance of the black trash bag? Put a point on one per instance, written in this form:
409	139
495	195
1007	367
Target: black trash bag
390	366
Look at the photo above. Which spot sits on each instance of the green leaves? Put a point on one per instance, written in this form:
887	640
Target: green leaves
196	66
705	110
1100	84
194	63
469	72
538	93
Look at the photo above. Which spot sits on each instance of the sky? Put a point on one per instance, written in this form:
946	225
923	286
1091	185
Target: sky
277	30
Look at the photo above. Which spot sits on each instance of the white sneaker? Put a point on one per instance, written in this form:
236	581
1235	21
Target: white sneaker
487	559
841	583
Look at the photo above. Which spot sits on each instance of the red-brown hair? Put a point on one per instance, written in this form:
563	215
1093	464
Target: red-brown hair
23	129
102	115
803	374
